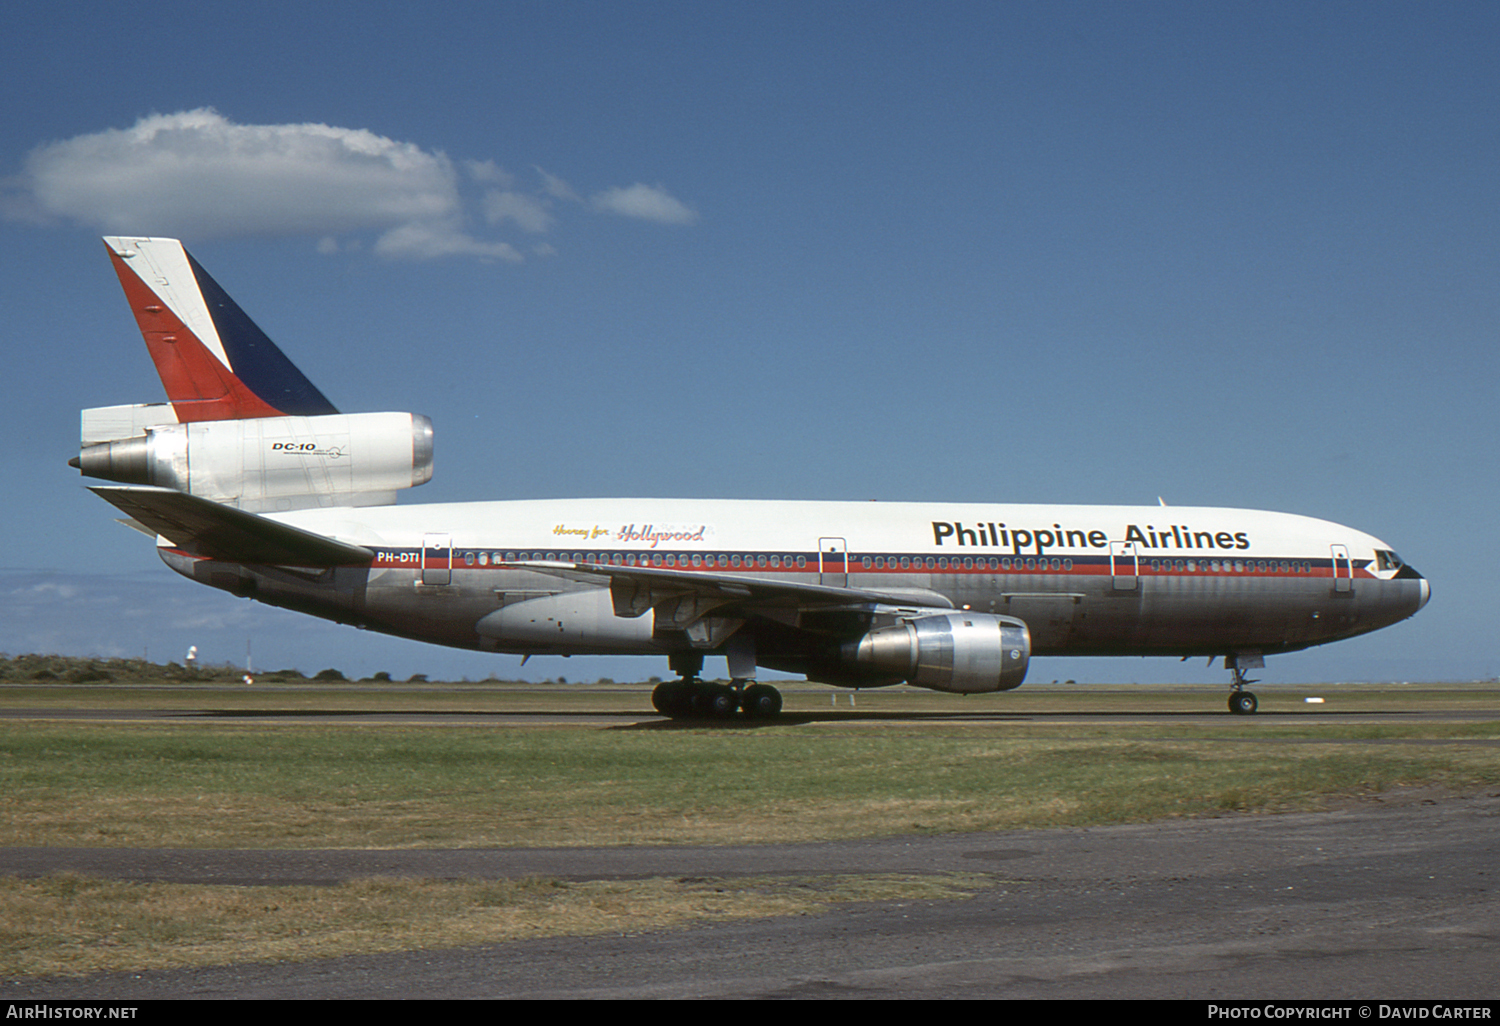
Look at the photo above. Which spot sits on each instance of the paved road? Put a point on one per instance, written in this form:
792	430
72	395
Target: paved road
1385	899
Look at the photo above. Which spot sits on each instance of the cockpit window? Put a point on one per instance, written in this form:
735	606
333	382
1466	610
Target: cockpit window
1387	560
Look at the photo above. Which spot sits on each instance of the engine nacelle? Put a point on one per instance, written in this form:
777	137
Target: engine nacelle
960	651
270	463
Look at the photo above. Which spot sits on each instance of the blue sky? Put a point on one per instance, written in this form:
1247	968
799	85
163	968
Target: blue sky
1227	254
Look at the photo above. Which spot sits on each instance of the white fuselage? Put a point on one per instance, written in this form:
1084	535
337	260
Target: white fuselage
1109	580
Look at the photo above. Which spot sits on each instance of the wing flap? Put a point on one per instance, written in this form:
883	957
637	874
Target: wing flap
210	529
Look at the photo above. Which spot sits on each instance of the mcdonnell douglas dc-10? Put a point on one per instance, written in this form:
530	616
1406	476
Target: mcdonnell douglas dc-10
251	481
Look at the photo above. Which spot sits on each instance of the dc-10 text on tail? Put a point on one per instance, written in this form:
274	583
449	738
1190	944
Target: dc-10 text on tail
251	481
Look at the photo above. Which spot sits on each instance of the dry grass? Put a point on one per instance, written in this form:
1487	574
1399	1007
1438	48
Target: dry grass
68	924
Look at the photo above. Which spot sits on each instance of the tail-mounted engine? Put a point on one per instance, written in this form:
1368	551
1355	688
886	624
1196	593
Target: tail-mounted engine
264	464
959	652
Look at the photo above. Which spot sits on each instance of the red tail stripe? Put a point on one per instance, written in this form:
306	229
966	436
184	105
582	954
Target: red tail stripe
199	386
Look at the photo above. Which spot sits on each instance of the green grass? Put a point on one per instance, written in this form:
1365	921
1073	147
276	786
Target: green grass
295	785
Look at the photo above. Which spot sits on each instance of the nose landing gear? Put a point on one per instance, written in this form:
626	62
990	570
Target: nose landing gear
1242	702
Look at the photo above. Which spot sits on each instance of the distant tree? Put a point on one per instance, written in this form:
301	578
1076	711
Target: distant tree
417	678
329	674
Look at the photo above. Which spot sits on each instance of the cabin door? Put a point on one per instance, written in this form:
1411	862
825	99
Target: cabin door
1124	565
1343	569
833	562
437	558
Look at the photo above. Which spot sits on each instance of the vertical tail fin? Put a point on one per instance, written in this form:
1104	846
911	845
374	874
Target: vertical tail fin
213	361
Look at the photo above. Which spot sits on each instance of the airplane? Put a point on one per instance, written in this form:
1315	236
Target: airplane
252	482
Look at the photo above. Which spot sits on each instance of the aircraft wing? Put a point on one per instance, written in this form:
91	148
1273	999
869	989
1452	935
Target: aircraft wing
683	598
211	529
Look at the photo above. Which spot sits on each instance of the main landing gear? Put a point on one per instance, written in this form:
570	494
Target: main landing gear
691	698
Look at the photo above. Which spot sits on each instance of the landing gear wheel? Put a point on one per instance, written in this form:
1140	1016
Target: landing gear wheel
1242	703
761	702
715	701
672	698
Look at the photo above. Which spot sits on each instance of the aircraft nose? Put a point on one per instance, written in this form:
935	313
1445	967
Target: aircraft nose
1424	590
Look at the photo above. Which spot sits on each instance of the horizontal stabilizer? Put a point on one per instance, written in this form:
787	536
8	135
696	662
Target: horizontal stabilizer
211	529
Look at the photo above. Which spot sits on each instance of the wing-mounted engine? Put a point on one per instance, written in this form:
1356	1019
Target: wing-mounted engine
945	650
261	464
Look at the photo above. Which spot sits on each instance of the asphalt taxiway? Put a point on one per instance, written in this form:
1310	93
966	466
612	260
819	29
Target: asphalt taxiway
1391	897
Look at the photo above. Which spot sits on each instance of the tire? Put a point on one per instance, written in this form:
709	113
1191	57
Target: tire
1243	703
670	699
761	702
719	701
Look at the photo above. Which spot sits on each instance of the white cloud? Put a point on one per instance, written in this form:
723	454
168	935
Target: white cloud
489	172
529	213
556	187
197	174
426	240
650	203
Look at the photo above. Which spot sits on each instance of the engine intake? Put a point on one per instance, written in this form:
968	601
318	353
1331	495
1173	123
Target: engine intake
959	652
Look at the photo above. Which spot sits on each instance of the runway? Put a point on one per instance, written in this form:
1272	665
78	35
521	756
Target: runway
647	720
1387	898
